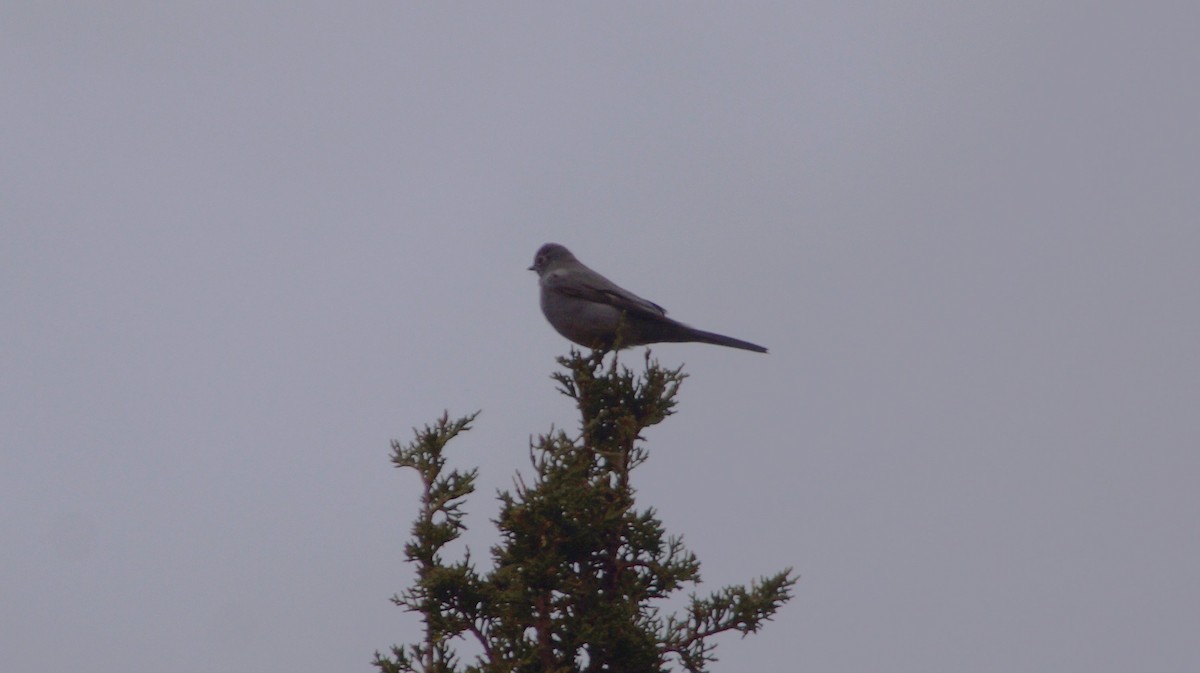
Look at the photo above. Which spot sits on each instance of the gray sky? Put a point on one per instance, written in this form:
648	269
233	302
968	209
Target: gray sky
243	247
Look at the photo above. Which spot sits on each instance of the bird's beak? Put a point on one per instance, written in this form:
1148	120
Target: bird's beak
533	268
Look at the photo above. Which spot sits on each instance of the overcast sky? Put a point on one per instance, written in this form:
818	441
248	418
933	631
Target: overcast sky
244	245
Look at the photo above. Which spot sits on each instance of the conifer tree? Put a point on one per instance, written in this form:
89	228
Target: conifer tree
579	574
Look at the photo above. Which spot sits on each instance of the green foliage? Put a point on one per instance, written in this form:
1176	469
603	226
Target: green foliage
579	570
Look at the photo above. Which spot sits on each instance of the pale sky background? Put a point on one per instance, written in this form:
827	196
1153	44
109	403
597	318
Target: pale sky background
244	245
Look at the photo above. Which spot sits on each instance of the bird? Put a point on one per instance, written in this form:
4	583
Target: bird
590	310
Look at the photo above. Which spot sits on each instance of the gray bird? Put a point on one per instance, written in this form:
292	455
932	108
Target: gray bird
588	308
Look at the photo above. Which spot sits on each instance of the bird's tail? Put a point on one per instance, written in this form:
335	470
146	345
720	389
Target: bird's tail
722	340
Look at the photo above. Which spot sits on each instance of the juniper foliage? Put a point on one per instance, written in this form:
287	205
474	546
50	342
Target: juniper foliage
580	572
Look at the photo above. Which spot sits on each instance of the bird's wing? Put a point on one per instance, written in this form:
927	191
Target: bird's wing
587	284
